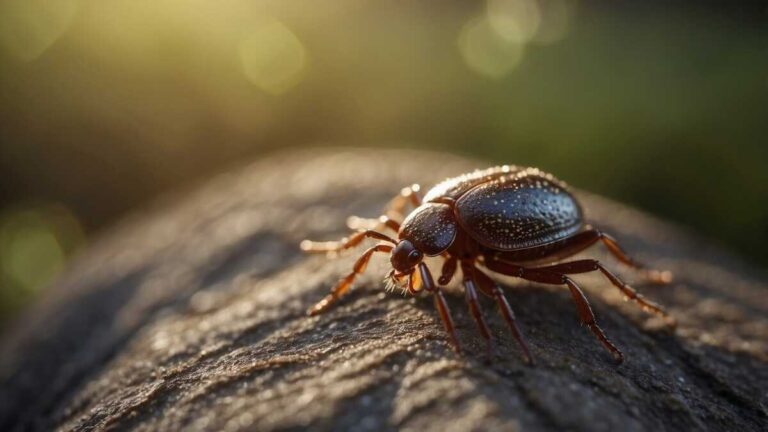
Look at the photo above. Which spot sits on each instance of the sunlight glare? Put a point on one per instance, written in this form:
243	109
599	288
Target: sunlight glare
515	20
273	58
486	52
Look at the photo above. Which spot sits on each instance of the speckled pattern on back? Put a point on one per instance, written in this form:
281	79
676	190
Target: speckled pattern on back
519	209
431	228
455	187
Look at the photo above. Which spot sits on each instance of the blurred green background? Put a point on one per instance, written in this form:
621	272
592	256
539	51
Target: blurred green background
107	103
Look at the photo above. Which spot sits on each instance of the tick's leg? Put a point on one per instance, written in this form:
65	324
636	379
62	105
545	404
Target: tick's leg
656	276
590	265
369	227
488	285
586	315
345	284
345	243
577	243
357	223
610	243
474	305
449	269
414	283
442	306
410	194
395	207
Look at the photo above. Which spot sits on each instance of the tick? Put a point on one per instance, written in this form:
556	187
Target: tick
511	220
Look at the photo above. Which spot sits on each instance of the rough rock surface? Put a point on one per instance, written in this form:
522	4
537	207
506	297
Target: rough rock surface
190	316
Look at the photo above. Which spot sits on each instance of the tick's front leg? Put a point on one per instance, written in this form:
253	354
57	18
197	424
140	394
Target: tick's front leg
345	243
440	304
344	285
448	270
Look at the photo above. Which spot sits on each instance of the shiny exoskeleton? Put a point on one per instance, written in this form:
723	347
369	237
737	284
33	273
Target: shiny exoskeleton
515	221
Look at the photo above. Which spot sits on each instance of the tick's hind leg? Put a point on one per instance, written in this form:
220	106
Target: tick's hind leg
590	265
344	285
586	316
578	242
655	276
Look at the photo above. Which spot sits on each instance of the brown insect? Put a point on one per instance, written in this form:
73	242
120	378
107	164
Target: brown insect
515	221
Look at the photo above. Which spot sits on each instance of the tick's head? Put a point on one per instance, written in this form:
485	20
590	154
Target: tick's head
405	257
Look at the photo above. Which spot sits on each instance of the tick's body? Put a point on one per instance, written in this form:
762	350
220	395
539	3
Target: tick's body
506	209
510	220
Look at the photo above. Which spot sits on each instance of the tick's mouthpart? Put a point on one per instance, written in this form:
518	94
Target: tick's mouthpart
401	275
397	279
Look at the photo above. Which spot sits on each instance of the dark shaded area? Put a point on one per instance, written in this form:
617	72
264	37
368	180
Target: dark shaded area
190	315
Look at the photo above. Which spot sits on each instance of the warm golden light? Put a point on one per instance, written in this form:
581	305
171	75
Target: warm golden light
29	251
106	104
273	58
29	27
34	244
516	20
486	52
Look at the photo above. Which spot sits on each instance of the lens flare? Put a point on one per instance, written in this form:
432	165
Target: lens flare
487	53
273	58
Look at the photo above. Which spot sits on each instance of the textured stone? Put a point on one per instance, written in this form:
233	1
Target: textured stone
190	316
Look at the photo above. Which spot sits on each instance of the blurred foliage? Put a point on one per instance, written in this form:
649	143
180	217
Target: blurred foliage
104	104
34	243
